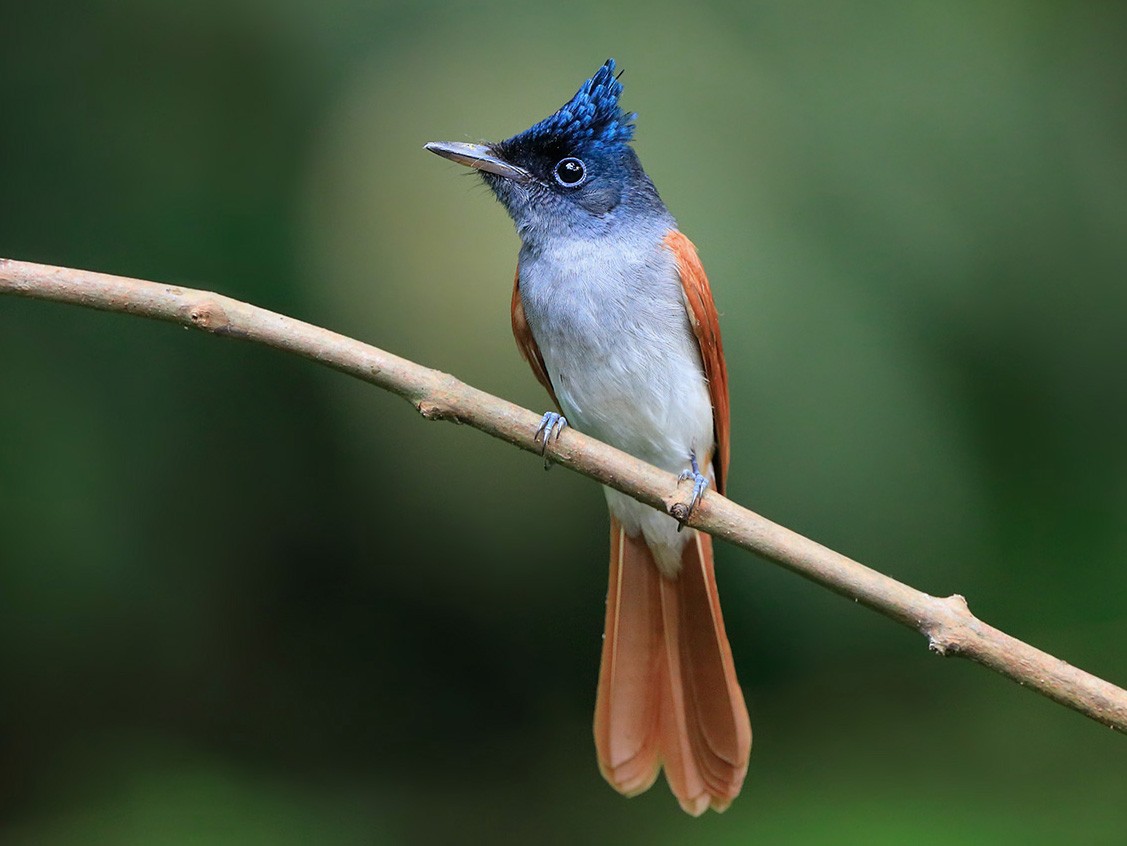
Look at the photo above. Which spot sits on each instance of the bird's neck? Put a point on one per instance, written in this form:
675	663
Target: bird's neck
546	233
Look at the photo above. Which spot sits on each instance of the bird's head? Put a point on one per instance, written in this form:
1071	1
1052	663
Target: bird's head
572	171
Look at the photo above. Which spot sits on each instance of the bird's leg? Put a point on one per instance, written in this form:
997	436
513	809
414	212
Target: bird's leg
700	485
551	424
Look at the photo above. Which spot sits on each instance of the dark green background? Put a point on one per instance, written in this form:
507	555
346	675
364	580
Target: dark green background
245	600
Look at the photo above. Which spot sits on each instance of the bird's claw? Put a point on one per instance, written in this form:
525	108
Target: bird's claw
700	485
551	424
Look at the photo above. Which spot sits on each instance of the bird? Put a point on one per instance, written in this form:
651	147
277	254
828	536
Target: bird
613	311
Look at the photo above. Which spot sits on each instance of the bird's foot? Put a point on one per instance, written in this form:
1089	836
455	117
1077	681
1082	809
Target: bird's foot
551	424
700	484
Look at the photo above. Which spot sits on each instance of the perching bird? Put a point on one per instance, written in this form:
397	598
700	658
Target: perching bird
612	310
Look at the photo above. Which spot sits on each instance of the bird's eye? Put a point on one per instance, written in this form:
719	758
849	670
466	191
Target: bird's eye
570	173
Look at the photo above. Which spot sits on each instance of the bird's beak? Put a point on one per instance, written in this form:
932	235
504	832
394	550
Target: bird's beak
479	157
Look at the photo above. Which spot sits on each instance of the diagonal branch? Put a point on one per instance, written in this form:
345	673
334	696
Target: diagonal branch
950	627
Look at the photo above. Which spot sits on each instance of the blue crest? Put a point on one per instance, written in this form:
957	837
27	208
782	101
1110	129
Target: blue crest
592	116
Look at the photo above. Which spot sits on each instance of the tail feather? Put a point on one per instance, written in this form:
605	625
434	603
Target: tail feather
668	693
628	703
716	716
682	767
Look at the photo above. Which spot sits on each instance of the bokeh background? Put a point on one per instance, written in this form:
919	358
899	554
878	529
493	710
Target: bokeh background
244	599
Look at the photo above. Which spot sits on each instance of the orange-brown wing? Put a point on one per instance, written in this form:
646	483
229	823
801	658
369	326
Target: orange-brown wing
706	326
527	344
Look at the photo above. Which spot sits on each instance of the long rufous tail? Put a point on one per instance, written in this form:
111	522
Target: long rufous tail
668	694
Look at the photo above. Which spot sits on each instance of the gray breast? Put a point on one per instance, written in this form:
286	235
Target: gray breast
610	320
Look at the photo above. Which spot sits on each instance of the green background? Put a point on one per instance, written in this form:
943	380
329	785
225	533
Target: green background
244	599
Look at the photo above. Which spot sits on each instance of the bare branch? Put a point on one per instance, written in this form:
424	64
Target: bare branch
950	627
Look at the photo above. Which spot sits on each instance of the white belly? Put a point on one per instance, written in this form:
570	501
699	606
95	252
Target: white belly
614	332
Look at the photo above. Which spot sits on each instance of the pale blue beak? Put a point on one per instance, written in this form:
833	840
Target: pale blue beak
479	157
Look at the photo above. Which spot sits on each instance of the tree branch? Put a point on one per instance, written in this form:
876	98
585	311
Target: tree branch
947	623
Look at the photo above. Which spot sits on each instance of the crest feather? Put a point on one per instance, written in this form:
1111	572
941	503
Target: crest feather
592	116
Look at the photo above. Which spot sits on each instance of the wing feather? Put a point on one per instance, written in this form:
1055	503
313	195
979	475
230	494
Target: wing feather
527	344
705	323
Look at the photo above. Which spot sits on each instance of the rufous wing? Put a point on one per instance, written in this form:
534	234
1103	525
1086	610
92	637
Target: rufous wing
705	323
527	344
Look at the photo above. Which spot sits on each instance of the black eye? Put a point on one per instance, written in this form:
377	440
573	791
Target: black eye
570	172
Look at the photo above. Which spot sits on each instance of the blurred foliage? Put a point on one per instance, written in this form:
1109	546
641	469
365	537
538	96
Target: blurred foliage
246	600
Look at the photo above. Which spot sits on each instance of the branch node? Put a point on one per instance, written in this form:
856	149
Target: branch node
207	315
948	635
432	410
958	602
941	643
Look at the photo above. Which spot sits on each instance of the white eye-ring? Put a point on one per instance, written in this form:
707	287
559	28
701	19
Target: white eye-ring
570	172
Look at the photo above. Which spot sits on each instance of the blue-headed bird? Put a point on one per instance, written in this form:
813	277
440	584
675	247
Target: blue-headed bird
613	311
